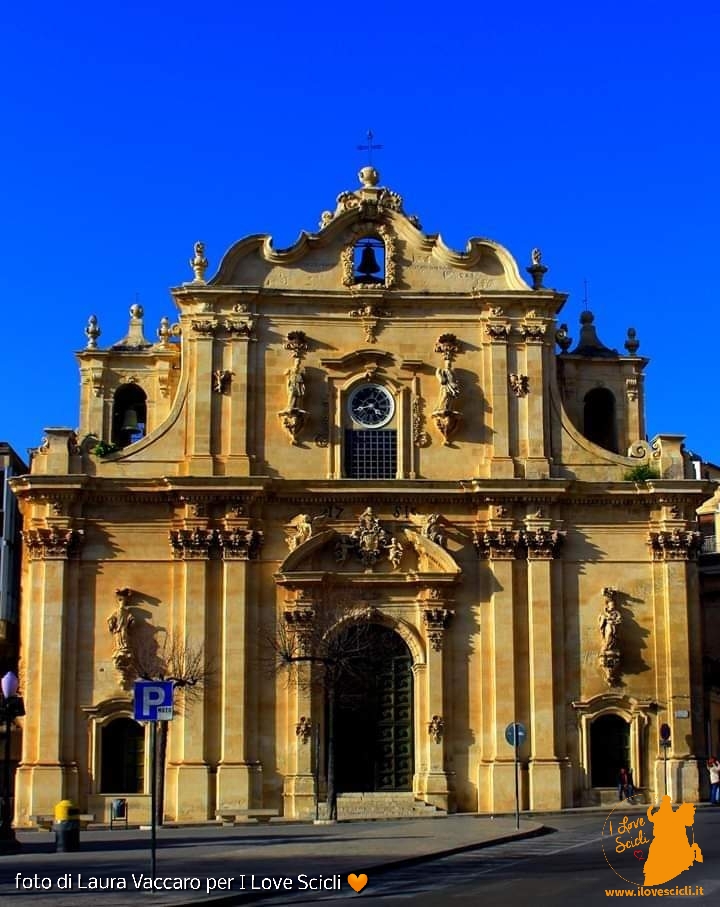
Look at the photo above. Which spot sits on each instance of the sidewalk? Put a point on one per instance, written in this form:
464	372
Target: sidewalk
258	859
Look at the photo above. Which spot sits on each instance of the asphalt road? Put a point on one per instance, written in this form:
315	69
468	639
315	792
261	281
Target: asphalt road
567	867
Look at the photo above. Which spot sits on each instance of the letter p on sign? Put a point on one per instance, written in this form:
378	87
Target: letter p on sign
153	700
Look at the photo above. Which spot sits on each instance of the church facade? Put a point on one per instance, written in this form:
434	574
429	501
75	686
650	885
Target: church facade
366	429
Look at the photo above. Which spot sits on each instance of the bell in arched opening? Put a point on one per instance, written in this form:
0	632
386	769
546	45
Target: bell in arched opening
129	414
367	268
130	422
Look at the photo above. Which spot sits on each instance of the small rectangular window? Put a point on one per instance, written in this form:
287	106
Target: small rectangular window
371	454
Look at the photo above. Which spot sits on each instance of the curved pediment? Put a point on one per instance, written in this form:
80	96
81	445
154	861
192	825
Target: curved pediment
407	553
432	558
414	260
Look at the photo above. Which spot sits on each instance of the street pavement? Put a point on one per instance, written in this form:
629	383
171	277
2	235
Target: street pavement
224	866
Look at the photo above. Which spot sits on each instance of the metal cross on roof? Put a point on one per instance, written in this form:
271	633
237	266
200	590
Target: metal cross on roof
369	147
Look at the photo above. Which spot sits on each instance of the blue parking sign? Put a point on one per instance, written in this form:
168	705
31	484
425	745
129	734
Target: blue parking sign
153	700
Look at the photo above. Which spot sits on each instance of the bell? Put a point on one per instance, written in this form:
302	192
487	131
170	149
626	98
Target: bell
368	263
130	421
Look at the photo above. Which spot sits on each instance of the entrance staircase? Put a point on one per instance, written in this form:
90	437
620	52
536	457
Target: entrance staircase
381	805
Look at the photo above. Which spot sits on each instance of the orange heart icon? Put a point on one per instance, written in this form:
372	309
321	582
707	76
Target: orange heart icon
357	883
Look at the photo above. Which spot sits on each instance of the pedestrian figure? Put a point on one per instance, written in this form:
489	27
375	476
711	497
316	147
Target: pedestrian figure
713	767
622	783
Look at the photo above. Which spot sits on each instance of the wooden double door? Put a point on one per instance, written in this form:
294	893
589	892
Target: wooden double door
374	715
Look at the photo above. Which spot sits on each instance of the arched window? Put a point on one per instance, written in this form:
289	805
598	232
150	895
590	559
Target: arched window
370	435
369	261
599	418
129	415
609	749
122	757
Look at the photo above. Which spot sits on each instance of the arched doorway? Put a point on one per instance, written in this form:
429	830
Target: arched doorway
609	749
374	713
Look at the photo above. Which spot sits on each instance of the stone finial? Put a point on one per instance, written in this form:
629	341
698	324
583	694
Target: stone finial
134	339
632	344
92	332
198	262
537	269
164	331
369	177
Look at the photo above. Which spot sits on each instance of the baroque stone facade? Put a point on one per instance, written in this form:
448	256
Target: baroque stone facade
373	422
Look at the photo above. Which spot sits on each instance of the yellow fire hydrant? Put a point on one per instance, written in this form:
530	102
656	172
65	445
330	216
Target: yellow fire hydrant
66	827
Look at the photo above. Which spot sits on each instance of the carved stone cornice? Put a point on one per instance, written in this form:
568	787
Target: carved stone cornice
674	545
300	621
497	332
203	326
299	617
244	328
532	332
239	544
543	544
199	543
498	544
436	621
191	544
53	543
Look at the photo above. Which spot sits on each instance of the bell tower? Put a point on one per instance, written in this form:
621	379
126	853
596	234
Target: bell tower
128	388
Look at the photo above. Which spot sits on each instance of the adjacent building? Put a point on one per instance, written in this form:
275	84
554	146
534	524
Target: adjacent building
372	425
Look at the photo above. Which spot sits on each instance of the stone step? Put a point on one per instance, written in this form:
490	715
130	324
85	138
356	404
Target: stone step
380	805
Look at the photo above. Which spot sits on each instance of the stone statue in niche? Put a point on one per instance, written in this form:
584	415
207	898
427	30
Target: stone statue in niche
609	621
121	620
295	376
449	388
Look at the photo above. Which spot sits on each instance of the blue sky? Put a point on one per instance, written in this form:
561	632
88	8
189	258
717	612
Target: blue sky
132	130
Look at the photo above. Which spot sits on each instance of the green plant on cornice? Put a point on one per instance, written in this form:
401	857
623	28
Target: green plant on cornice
105	448
641	473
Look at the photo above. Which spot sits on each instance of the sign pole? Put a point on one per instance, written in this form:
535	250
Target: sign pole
517	780
515	734
153	702
665	744
153	795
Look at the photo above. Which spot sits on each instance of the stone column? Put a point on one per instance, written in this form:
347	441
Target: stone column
532	403
498	546
47	772
436	617
545	769
682	657
299	790
200	348
501	465
241	403
239	777
187	795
